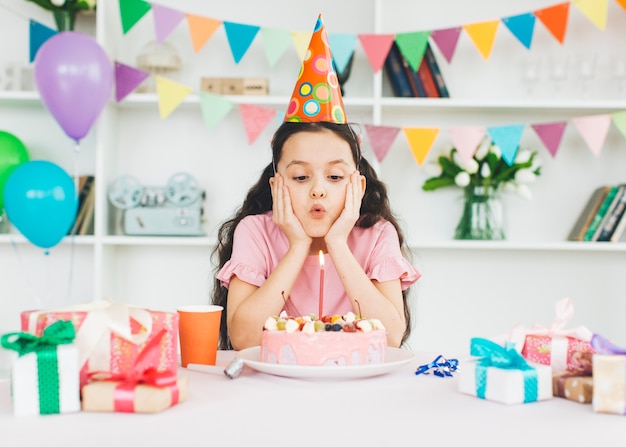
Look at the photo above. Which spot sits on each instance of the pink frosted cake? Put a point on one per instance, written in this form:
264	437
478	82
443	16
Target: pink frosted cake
331	341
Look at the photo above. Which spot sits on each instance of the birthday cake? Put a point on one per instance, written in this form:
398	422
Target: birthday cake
329	341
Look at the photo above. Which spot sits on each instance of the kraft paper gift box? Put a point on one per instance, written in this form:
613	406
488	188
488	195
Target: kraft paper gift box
557	346
110	336
129	397
609	377
575	386
45	376
502	375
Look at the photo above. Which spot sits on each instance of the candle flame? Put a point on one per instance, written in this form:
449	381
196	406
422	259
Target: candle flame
321	259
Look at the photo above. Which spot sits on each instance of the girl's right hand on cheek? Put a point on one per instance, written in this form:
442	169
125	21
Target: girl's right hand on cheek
283	214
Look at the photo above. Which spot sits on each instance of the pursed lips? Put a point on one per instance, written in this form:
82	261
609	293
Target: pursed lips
317	211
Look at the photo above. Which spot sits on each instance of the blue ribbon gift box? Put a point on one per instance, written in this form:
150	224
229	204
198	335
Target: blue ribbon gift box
501	374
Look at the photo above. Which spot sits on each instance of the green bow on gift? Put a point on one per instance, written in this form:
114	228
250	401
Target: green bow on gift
45	347
494	355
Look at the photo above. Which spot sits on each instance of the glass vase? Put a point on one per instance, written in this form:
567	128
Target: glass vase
482	217
64	19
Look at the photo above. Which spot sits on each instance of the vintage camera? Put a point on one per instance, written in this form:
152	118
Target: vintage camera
175	209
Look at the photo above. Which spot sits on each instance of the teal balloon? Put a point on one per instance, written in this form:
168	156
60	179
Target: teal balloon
12	154
40	201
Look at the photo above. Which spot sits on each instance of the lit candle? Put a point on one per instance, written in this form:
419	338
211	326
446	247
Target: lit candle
321	300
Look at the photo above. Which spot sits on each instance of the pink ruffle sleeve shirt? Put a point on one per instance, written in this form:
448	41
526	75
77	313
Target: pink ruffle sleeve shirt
259	245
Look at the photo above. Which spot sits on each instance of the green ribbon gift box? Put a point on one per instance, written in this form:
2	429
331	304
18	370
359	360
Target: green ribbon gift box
45	376
501	374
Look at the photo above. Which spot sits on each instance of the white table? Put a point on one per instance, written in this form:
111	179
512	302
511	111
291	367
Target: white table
258	409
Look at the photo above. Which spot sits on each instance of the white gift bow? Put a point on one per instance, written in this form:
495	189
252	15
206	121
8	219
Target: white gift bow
564	309
93	338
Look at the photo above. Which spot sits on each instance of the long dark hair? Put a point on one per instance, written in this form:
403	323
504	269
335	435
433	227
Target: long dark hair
374	207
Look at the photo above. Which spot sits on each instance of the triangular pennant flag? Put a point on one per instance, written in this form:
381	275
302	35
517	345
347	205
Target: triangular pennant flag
594	10
127	79
275	42
131	11
412	46
622	3
201	29
555	19
446	40
483	35
550	135
171	94
38	35
619	119
466	140
214	109
420	140
342	48
240	37
381	138
165	20
301	41
507	139
522	27
593	129
376	48
255	119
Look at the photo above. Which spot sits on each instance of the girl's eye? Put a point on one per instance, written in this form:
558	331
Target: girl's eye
300	178
335	178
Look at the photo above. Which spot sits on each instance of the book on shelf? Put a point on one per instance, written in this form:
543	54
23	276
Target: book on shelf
427	79
417	90
85	185
431	60
620	226
613	215
599	216
394	68
87	218
588	213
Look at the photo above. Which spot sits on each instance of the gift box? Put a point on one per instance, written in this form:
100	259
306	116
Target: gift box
573	386
110	336
502	375
45	376
132	397
609	374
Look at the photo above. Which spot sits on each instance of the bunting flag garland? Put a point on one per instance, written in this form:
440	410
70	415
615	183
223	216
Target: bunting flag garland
446	40
555	18
240	37
376	48
466	140
201	29
381	138
420	140
507	138
594	10
522	26
131	12
301	41
619	119
255	119
412	46
214	109
483	35
38	34
165	20
593	129
342	46
171	95
127	79
622	3
550	135
275	42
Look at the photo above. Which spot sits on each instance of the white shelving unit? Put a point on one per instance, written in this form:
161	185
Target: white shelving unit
469	288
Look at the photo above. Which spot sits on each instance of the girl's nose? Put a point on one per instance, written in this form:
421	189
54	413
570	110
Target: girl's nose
317	192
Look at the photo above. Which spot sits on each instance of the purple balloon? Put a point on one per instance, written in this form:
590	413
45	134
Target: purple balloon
74	77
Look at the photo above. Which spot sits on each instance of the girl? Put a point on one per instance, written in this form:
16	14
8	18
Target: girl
317	194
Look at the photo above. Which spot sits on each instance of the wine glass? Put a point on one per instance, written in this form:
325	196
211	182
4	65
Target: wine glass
559	68
531	73
587	70
618	71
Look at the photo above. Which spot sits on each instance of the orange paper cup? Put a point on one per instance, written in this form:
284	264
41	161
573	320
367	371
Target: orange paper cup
199	328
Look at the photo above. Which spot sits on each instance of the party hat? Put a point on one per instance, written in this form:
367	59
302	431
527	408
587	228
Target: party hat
317	95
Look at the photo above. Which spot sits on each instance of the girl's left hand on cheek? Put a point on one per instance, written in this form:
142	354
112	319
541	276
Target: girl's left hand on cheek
351	210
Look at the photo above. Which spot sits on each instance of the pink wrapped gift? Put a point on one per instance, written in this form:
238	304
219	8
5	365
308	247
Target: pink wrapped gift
110	336
564	349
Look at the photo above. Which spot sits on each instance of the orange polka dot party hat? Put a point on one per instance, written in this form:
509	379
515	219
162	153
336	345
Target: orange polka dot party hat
317	95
